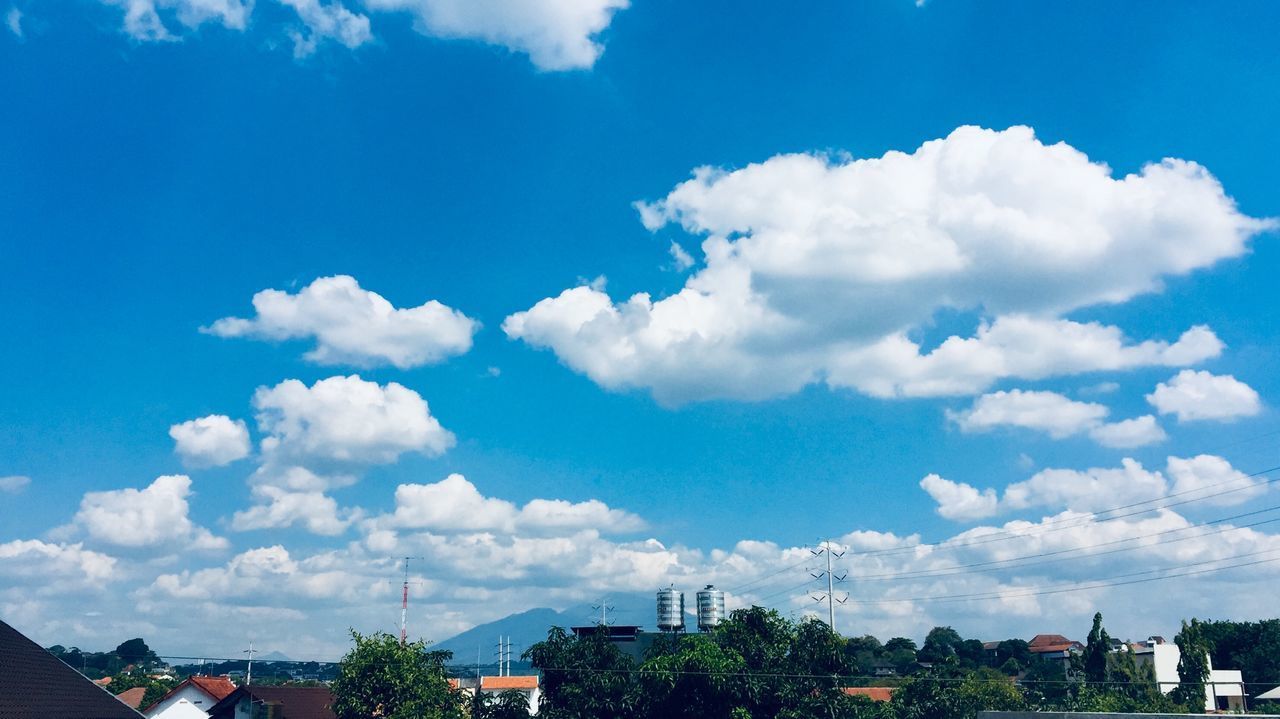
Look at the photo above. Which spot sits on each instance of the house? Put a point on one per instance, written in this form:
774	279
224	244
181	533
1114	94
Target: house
133	697
1054	647
528	685
875	694
1224	690
191	699
1270	694
34	684
257	702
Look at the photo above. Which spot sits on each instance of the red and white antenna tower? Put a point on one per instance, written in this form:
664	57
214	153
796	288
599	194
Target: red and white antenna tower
404	602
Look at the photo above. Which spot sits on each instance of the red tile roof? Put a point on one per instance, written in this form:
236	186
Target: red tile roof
132	697
216	687
1048	640
501	683
875	694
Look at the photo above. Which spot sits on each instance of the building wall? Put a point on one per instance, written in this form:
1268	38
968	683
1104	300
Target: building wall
181	709
192	696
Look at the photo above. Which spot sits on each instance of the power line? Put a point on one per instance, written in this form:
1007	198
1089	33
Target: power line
1099	584
1000	563
1080	521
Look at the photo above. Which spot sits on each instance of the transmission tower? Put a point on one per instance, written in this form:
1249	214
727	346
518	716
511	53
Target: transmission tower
826	551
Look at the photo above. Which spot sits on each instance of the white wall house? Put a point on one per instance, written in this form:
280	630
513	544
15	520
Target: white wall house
191	699
1224	691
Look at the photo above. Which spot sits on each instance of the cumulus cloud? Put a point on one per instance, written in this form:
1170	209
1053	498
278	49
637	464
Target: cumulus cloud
960	501
33	559
346	419
14	484
1057	416
555	34
1098	488
145	517
354	326
211	441
279	508
1193	395
820	270
454	504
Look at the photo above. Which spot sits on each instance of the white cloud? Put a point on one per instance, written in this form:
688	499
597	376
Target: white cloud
147	517
327	22
455	505
315	511
1087	490
354	326
555	34
681	260
819	270
211	441
1098	488
1057	416
1129	433
33	559
346	419
14	484
13	21
1195	395
1192	475
1047	412
960	501
142	18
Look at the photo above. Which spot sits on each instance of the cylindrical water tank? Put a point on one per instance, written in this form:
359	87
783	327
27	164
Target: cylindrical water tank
710	607
670	610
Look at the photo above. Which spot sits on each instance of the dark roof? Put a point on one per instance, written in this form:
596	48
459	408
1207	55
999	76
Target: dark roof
293	702
1047	640
34	684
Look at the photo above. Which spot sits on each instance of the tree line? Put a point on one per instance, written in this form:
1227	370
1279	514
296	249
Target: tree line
761	665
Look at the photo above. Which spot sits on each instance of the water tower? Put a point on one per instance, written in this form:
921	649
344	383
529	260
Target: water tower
670	610
710	608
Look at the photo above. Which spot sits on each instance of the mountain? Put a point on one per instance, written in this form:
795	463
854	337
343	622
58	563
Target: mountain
271	657
528	627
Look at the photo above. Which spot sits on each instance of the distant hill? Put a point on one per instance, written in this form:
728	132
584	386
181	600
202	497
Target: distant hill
271	657
529	627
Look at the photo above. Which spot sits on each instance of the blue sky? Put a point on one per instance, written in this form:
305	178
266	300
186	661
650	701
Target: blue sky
152	181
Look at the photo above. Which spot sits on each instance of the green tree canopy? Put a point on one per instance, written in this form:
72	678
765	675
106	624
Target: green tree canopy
380	677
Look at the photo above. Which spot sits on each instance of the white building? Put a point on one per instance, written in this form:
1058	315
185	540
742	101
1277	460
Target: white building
191	699
1224	691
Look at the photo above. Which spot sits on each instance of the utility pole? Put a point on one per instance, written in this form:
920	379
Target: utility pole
248	675
830	595
604	609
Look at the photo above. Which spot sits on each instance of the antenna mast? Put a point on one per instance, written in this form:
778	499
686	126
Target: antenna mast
404	602
248	675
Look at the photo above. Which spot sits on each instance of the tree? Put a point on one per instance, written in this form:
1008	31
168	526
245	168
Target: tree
583	677
1096	649
510	704
940	644
698	678
1193	665
134	651
380	677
